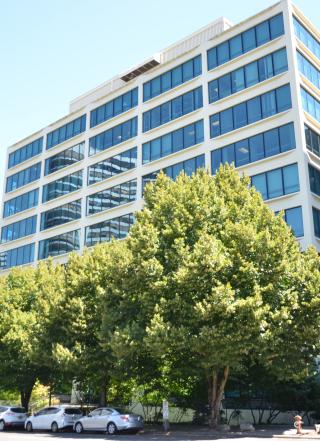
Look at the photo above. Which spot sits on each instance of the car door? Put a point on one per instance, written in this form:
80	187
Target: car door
51	415
103	418
38	420
92	421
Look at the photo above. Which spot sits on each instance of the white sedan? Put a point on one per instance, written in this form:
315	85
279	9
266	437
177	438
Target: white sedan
109	420
53	418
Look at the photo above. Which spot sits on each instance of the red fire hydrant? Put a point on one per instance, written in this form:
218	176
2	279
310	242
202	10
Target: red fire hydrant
298	424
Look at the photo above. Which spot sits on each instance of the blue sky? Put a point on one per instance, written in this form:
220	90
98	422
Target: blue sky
54	50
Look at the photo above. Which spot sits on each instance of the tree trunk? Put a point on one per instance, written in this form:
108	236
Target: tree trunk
103	391
217	383
25	395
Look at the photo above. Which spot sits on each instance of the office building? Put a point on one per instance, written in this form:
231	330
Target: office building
246	93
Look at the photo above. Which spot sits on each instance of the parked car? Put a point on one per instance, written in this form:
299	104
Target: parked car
53	418
12	417
109	420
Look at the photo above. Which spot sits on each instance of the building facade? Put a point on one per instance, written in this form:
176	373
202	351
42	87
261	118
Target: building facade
246	93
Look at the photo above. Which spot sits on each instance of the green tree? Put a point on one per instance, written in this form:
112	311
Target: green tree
30	305
213	279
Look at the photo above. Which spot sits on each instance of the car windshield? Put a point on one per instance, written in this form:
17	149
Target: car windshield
3	408
72	411
18	409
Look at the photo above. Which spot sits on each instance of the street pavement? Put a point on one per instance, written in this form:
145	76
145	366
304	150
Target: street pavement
195	435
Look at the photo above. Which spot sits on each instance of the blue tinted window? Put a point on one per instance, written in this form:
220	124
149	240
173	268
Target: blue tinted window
62	186
312	140
248	75
240	115
278	182
57	245
190	166
251	74
226	120
283	98
307	38
275	183
262	33
250	111
246	41
64	159
67	131
235	46
114	107
256	144
17	256
19	229
314	179
254	110
260	183
260	146
26	152
276	26
173	109
249	40
21	203
316	221
113	136
173	142
180	74
293	217
242	152
23	177
272	142
308	70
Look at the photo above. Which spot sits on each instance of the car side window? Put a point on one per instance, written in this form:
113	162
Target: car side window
105	412
96	412
41	412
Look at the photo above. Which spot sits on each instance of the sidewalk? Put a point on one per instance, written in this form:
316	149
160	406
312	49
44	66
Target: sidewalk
205	432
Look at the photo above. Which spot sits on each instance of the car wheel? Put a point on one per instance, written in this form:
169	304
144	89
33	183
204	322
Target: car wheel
29	427
2	426
54	427
78	428
111	429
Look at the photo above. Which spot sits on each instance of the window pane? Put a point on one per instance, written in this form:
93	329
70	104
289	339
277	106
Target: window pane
287	138
254	110
265	68
242	152
226	121
256	148
240	115
280	62
268	104
213	91
271	142
216	160
223	52
228	154
224	86
251	72
291	179
215	125
238	82
249	40
235	46
283	98
275	185
276	26
263	33
293	218
260	183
